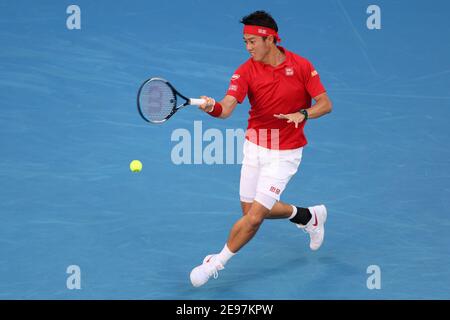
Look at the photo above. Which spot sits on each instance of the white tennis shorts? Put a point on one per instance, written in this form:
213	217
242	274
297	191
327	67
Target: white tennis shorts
265	173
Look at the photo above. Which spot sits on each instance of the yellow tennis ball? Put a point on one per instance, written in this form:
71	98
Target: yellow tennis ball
135	166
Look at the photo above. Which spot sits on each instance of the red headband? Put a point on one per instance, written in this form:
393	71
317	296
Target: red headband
261	31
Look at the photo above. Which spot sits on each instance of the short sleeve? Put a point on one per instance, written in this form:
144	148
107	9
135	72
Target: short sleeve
311	79
238	87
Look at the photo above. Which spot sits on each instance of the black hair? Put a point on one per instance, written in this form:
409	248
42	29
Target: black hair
260	18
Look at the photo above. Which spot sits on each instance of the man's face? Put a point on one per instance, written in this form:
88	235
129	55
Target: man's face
257	46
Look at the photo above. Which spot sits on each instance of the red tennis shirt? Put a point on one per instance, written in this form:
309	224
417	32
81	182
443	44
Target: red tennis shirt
286	88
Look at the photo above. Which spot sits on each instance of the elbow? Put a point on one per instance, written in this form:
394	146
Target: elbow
329	106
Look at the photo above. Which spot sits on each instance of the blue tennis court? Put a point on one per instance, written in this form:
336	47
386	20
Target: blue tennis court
69	128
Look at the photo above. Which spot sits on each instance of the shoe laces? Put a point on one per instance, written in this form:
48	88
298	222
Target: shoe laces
214	267
309	229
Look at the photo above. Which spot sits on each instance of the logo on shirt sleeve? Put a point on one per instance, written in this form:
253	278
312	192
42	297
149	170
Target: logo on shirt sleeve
314	73
233	87
235	76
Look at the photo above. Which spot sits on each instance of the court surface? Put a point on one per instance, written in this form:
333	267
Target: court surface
69	129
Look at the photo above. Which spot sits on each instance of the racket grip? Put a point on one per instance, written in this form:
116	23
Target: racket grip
196	102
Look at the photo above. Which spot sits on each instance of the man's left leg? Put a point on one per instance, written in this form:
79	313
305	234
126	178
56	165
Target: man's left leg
311	220
281	210
277	169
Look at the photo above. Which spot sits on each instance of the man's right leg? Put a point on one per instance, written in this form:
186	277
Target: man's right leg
247	226
241	233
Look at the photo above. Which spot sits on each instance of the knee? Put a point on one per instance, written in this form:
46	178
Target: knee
254	221
245	206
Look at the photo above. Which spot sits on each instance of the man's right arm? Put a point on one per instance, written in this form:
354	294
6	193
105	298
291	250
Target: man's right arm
228	104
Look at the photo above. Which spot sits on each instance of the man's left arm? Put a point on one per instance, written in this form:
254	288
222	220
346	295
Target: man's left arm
322	106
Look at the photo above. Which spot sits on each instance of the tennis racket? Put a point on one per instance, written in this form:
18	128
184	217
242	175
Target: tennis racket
157	100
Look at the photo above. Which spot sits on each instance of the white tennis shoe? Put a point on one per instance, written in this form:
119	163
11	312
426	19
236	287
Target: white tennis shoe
316	226
209	268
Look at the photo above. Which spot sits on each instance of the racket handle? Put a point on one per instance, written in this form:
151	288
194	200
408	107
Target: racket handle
196	102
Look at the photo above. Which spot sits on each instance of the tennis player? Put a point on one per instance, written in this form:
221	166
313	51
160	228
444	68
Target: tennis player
279	85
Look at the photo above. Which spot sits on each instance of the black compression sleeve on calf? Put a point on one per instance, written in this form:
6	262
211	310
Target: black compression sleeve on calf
302	217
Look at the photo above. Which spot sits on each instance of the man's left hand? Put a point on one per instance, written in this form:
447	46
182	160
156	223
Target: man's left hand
295	117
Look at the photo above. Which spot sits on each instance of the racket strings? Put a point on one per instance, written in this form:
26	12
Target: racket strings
157	100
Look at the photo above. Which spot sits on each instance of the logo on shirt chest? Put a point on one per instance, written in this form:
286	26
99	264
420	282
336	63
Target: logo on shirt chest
289	71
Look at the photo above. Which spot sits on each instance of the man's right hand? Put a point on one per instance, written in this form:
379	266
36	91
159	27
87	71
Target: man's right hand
209	105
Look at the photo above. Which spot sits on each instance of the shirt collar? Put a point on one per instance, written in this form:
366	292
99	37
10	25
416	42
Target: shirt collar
287	61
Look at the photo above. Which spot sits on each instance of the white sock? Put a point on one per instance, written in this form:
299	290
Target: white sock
225	255
294	212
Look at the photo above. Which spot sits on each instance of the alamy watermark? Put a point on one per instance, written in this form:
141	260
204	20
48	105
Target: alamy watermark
374	20
74	280
213	146
374	280
73	21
